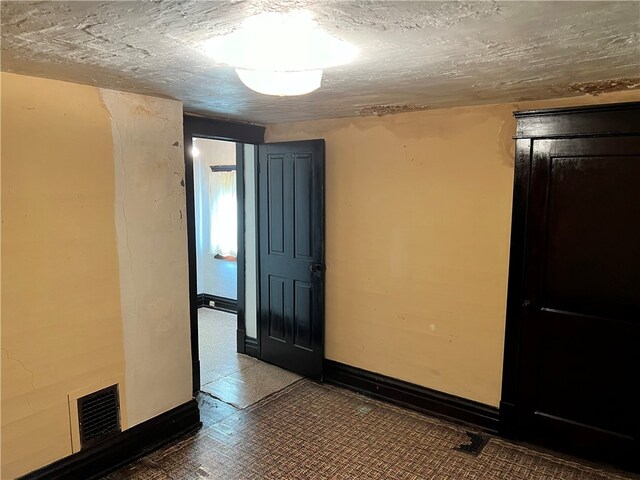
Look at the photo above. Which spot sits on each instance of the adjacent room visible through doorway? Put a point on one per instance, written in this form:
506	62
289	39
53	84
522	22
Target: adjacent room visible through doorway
235	378
216	210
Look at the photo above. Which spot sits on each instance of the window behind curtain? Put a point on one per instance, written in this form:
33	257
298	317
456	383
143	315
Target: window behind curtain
224	213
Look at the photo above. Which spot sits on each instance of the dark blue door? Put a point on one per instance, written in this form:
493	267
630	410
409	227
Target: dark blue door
291	209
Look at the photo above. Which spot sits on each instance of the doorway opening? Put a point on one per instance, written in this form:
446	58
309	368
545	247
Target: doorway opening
221	188
215	203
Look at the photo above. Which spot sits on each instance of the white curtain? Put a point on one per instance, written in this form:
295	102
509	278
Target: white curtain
224	213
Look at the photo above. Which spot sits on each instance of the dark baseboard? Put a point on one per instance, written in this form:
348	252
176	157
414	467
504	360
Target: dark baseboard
247	345
219	303
251	347
240	341
121	449
424	400
200	302
508	420
195	376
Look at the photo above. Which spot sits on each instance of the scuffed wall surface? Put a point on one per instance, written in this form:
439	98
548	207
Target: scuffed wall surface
152	249
61	325
417	241
94	260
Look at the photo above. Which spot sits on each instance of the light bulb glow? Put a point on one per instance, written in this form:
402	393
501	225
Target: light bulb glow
281	83
280	53
195	152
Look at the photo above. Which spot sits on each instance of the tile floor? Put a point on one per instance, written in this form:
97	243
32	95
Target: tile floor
234	378
313	431
273	425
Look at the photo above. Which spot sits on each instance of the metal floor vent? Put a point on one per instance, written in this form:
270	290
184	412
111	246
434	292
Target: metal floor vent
99	415
476	443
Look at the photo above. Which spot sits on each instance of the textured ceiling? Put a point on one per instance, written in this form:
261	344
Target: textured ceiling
413	55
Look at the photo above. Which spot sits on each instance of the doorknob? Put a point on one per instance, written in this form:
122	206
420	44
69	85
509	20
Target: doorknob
317	268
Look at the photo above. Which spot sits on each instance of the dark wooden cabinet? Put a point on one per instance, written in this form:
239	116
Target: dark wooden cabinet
572	352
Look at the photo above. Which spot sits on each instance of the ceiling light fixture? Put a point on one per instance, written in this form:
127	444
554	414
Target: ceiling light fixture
280	53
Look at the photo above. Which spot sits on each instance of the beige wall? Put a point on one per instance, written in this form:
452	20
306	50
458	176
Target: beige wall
79	308
94	271
417	241
61	327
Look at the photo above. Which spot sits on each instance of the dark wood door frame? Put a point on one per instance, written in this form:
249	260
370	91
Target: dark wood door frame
595	121
241	133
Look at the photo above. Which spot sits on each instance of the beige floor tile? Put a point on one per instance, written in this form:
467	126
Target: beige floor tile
217	342
250	384
234	378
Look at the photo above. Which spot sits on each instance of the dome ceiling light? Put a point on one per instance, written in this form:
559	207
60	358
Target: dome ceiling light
280	53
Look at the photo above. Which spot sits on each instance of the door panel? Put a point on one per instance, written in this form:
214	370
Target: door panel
581	310
303	315
275	175
302	207
597	276
577	383
276	289
292	255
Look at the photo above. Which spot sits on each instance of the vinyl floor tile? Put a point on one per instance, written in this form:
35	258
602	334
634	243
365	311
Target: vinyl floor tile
313	431
217	346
